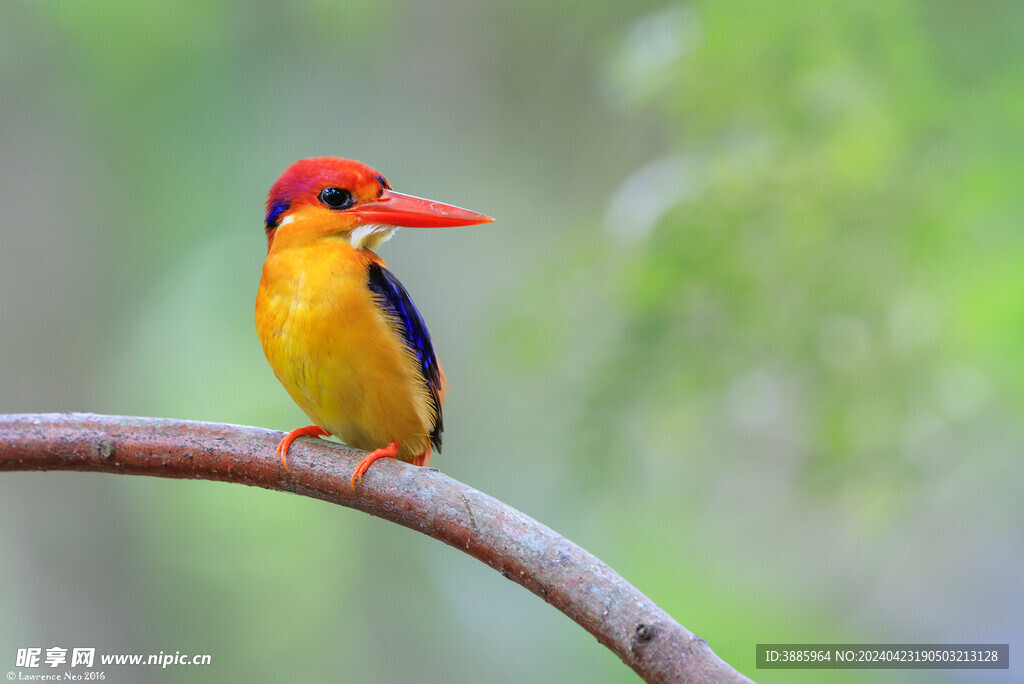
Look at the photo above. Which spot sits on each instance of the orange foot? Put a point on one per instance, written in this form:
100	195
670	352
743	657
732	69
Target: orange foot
423	459
286	443
390	451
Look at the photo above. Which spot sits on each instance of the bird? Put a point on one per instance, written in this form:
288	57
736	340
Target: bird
338	329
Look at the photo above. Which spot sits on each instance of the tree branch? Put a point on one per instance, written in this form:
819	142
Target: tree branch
423	499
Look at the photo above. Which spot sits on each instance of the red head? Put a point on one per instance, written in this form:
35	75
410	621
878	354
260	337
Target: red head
328	196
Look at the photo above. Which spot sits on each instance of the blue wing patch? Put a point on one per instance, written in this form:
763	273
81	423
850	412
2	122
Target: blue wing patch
396	302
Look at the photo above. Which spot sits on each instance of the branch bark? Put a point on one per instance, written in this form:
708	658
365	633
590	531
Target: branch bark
572	580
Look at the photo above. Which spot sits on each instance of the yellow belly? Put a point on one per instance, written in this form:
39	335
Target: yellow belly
337	353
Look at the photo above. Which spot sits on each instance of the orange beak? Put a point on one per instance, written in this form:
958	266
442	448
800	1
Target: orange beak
395	209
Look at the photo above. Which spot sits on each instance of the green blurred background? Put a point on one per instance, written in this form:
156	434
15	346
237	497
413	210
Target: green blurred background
749	326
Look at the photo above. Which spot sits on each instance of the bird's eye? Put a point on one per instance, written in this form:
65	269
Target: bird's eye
336	198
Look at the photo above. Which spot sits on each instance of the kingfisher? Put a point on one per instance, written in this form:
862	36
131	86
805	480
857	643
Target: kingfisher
337	327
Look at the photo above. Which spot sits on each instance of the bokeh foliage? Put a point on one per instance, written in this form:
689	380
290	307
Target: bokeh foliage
826	248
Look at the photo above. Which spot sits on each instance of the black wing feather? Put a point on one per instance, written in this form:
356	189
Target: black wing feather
397	303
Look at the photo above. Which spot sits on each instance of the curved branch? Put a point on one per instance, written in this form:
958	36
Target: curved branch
423	499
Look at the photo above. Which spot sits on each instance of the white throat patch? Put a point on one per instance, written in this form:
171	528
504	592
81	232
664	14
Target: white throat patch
371	235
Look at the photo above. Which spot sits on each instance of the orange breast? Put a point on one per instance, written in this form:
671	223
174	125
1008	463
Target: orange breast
339	356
